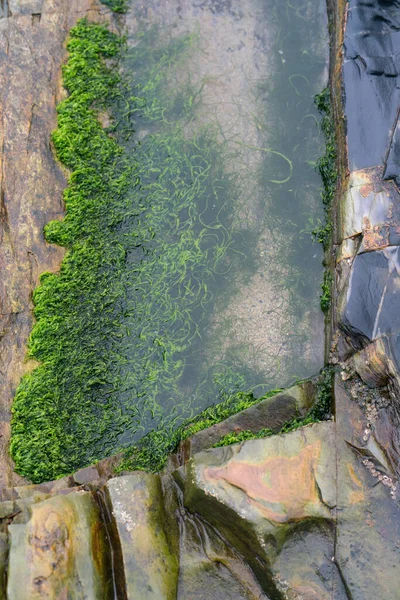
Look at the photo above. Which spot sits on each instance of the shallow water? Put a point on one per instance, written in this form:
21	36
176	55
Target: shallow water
223	284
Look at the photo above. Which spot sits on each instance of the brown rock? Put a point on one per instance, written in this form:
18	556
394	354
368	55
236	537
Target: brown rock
371	364
269	496
85	476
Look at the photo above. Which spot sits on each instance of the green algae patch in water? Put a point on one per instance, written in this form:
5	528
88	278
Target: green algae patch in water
320	411
147	231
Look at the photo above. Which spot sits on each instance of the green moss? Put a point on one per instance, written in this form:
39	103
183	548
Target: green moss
323	234
326	165
242	436
118	6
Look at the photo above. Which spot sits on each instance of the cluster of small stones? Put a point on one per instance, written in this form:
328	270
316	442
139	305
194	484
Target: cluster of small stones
384	479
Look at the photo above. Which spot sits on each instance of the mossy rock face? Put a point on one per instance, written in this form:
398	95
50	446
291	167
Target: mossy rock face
60	553
149	568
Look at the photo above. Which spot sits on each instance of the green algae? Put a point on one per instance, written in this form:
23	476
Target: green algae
148	230
327	168
327	164
242	436
54	414
326	291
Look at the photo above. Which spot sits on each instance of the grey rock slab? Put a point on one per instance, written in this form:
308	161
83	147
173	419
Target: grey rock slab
368	518
210	568
370	70
149	568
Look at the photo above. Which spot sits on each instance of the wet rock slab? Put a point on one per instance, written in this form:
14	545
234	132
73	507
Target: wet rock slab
269	498
149	568
60	552
271	413
368	519
210	568
370	70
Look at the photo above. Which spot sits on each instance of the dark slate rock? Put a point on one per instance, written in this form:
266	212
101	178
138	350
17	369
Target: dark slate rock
373	296
393	350
370	72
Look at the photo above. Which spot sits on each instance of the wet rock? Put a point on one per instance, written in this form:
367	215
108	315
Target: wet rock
369	305
370	208
148	568
271	413
369	73
305	564
368	523
106	467
86	475
262	493
210	568
60	553
3	564
371	364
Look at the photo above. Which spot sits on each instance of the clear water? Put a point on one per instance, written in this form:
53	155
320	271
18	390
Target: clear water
223	284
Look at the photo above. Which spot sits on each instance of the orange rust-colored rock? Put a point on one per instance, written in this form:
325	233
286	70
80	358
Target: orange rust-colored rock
282	488
275	500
